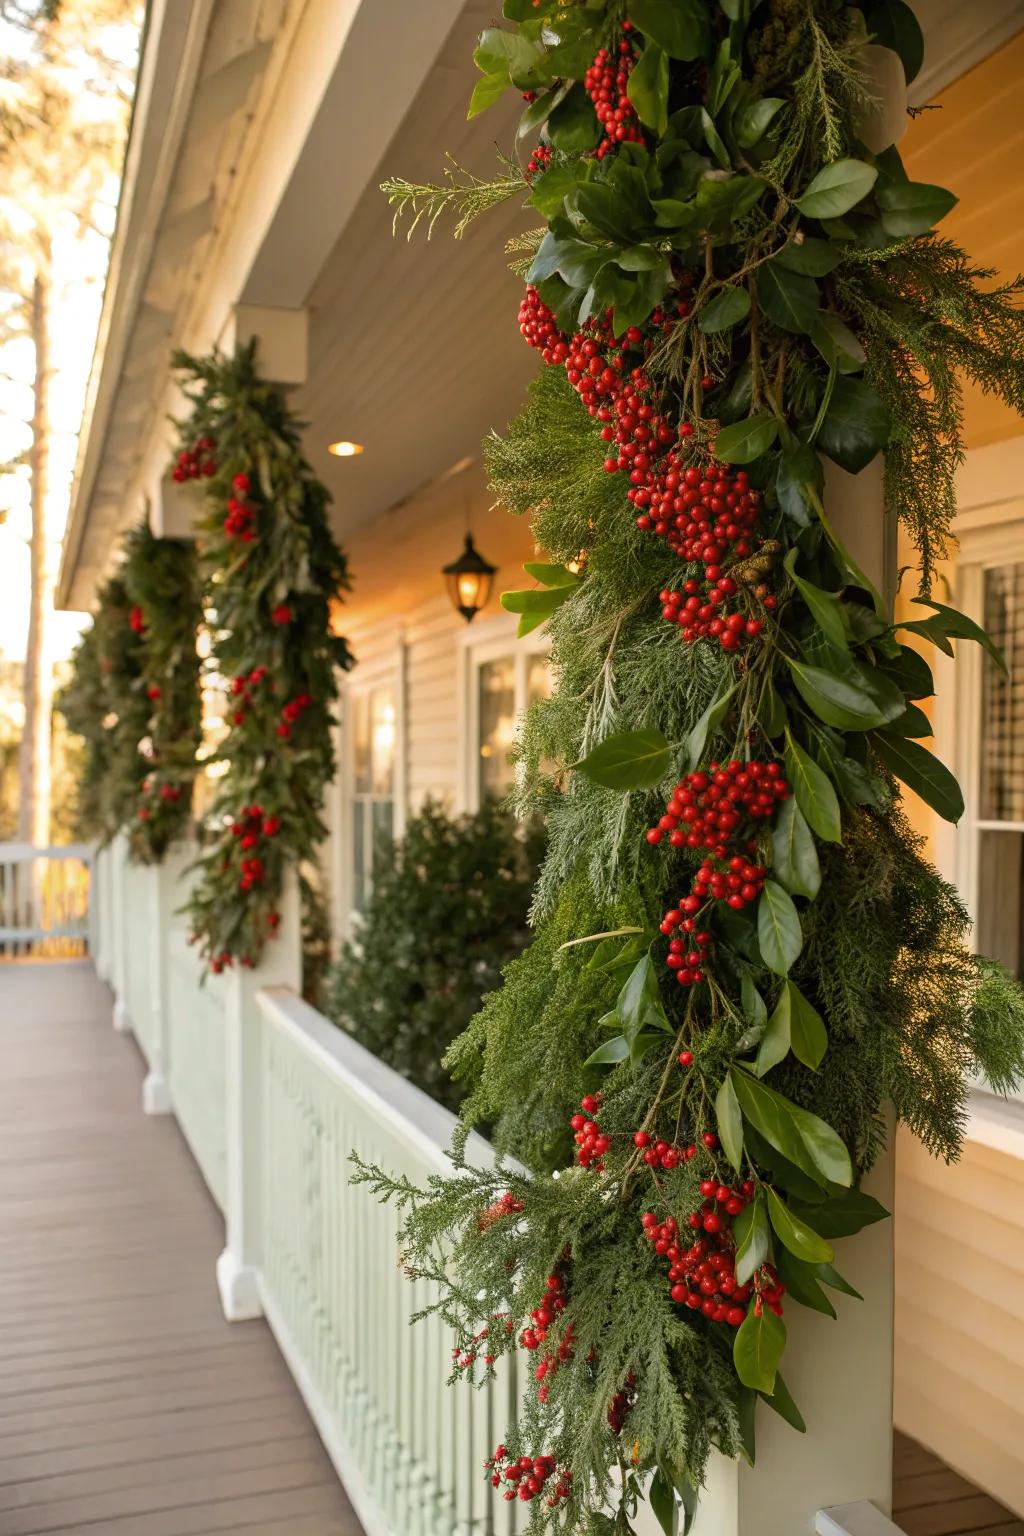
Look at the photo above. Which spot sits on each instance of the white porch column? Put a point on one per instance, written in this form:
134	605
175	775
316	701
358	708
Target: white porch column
238	1265
167	892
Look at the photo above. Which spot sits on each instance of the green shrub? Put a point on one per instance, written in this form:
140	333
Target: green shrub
448	911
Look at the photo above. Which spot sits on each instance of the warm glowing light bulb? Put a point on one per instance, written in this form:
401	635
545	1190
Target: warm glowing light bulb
344	449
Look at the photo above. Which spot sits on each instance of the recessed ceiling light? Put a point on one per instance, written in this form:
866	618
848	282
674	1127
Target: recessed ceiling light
345	449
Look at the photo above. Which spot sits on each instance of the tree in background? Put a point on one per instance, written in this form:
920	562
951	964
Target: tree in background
447	914
65	90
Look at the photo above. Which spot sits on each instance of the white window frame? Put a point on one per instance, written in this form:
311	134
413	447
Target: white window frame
990	531
479	643
388	671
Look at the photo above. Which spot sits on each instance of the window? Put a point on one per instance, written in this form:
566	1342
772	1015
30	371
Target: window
504	681
373	732
998	812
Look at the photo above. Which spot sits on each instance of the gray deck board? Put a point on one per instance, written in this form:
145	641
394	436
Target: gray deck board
128	1406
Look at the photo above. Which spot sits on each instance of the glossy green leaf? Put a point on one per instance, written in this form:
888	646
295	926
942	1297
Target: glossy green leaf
757	1349
730	1123
779	935
912	207
825	607
830	1276
648	88
843	1214
551	575
800	471
912	673
753	1239
807	1033
747	440
610	1053
814	258
802	1138
774	1045
803	1284
727	308
572	125
836	700
678	26
921	771
788	298
795	858
629	760
638	1006
913	722
814	791
837	188
707	725
486	92
837	344
752	122
665	1505
782	1401
960	627
856	425
894	25
801	1240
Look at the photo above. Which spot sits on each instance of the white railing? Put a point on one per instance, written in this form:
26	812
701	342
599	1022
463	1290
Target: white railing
272	1099
44	900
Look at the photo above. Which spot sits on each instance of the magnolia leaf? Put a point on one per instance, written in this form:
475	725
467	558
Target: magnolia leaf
610	1053
706	727
800	471
814	791
842	1215
960	627
825	607
795	856
837	343
678	26
921	771
664	1503
728	308
752	122
775	1040
757	1349
803	1283
802	1138
808	1036
801	1240
551	575
782	1401
895	26
837	188
648	88
572	124
838	701
746	441
856	425
486	92
814	258
628	760
779	935
788	298
753	1239
913	207
730	1123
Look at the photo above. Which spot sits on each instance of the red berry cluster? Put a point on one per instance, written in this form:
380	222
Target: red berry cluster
195	461
709	809
292	713
659	1154
241	512
589	1137
535	1334
137	620
243	689
527	1477
703	1275
252	824
605	82
538	161
465	1359
281	615
508	1205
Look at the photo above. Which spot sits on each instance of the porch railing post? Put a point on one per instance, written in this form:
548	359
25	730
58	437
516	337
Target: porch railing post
118	860
166	894
244	1067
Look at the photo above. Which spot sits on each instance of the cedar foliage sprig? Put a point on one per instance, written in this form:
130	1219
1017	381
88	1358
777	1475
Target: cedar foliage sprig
271	573
774	294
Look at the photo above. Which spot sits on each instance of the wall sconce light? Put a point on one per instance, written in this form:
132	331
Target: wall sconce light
469	580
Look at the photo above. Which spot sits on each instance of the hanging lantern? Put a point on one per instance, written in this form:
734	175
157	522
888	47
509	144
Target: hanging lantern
469	580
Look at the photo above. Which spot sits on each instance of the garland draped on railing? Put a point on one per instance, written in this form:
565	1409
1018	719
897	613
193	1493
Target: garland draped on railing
271	571
741	955
134	698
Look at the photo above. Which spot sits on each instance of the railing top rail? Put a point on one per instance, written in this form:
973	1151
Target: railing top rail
399	1104
20	853
861	1519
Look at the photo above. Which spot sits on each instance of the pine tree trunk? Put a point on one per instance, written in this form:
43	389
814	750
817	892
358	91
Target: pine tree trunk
34	758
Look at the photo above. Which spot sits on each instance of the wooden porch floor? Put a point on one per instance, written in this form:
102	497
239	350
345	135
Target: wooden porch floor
930	1500
128	1406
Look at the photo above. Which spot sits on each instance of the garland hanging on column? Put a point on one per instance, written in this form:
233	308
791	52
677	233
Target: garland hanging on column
741	955
161	580
271	570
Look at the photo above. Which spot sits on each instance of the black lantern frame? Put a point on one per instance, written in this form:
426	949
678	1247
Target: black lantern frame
469	580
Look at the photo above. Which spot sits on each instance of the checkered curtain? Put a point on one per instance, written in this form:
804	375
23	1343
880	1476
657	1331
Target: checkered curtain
1002	699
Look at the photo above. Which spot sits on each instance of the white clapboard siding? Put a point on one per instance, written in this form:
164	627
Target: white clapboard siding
960	1312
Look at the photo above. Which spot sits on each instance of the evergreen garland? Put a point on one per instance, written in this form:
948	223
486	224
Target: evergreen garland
271	569
447	912
161	579
741	955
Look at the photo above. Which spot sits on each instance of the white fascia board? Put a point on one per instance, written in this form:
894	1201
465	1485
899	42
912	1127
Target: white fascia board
174	34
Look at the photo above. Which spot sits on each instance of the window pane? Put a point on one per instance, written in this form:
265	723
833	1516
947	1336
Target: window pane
1001	898
497	694
1002	699
382	740
539	681
359	705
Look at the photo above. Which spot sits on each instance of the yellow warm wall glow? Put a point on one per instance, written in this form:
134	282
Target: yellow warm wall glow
971	140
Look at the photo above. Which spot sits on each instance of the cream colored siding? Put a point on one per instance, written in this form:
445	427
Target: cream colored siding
960	1312
433	709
